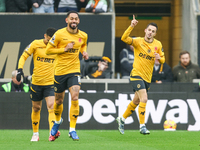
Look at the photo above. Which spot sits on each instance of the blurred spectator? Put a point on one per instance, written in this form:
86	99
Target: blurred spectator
43	6
81	4
2	6
30	4
67	5
186	71
95	67
126	61
16	86
161	73
16	5
96	6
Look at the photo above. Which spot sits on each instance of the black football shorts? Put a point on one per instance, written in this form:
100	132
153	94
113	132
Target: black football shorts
139	83
38	92
63	82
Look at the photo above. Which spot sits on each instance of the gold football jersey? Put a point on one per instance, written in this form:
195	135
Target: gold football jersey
144	55
67	62
43	72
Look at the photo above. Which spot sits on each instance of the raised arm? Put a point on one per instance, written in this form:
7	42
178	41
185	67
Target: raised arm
125	37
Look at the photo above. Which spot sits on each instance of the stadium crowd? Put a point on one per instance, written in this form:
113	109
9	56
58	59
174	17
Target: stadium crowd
52	6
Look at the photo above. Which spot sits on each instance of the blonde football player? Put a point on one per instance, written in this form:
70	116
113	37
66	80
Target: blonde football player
67	43
146	50
42	80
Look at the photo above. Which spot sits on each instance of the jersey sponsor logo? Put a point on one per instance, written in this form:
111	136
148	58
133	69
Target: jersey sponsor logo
42	59
72	50
155	48
146	56
79	39
138	86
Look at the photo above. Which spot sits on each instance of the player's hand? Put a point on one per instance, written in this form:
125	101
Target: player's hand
85	55
157	56
134	22
69	46
19	74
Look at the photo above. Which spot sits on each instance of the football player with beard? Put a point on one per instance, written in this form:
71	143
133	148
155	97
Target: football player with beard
67	43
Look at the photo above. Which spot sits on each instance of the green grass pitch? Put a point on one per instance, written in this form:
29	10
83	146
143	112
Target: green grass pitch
102	140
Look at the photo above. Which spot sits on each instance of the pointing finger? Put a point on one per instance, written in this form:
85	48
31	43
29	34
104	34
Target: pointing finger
133	17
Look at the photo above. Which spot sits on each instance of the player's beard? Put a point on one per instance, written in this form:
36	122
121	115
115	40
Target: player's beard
149	36
73	27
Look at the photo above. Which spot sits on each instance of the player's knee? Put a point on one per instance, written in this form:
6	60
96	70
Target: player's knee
144	100
59	99
50	106
36	108
136	102
74	96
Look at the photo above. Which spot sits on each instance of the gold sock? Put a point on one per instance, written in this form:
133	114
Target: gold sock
51	118
130	108
58	109
141	111
74	112
35	117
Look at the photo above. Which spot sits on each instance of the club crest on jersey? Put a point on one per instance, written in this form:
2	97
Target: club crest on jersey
79	40
149	51
155	48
